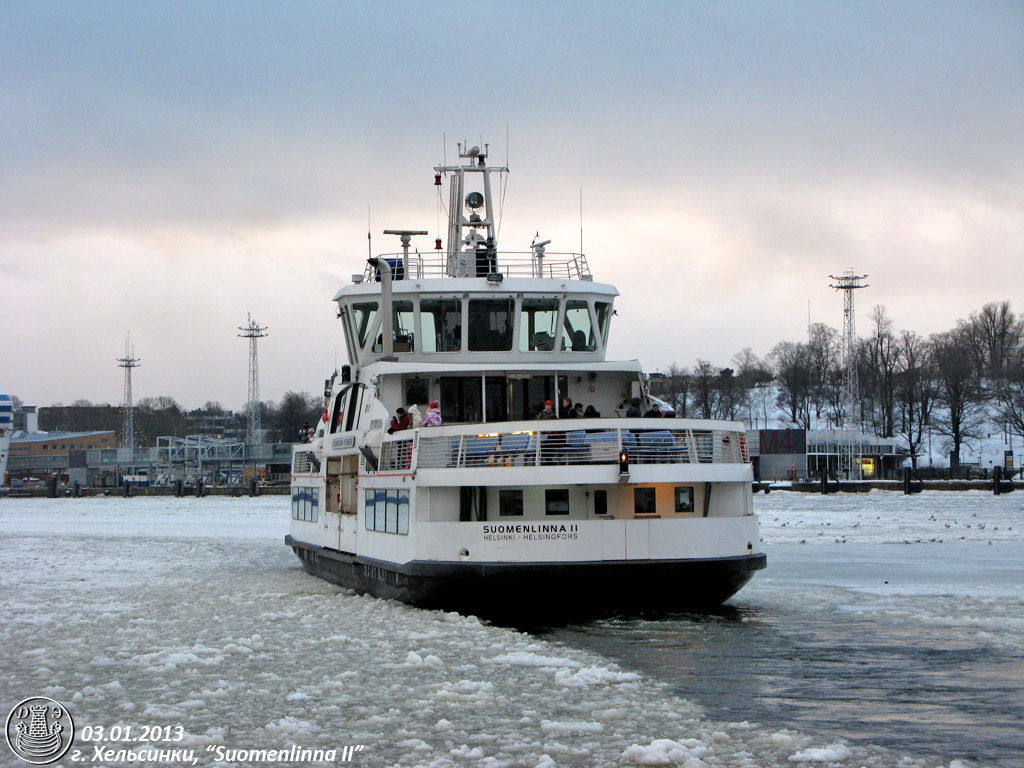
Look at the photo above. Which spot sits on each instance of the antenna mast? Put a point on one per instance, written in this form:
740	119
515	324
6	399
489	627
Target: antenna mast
253	332
128	362
849	445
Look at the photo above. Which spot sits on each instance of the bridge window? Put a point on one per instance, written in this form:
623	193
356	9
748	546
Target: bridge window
577	331
538	325
604	318
441	325
490	324
402	326
363	316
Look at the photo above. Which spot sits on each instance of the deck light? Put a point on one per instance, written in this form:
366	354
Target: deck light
623	462
437	179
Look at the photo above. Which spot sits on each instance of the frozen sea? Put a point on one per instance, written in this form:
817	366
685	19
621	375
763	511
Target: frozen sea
887	631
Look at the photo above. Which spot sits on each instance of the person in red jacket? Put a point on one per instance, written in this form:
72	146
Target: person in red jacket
401	420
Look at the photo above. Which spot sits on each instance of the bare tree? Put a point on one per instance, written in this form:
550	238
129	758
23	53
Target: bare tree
729	395
880	357
996	333
750	373
958	392
790	361
295	410
824	351
914	391
704	389
677	389
1010	393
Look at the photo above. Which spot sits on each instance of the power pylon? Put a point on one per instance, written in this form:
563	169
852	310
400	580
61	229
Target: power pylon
849	444
128	362
253	332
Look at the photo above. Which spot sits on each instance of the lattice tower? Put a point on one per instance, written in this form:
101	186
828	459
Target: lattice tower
253	431
128	362
849	443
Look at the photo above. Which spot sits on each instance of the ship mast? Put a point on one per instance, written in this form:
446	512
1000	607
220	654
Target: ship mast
471	215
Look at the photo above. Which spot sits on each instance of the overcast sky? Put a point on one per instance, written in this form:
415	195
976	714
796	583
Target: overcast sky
167	168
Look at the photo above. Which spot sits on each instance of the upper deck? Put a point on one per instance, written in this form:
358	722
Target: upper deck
468	301
436	319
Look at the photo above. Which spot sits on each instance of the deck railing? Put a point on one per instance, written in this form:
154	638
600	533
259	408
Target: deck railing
539	448
571	266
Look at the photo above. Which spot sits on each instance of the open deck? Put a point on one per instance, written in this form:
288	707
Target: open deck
579	442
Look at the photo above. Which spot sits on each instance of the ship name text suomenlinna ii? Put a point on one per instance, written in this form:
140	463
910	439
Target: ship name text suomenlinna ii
453	469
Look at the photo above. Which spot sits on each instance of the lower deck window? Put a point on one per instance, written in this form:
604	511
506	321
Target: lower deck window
556	501
684	499
600	502
386	510
510	503
643	501
305	504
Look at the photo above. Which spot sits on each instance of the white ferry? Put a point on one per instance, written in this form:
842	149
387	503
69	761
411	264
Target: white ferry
500	509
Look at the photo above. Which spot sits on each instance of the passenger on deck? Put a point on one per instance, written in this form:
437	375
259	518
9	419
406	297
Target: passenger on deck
565	410
633	412
577	410
548	412
415	415
591	412
655	412
401	420
433	417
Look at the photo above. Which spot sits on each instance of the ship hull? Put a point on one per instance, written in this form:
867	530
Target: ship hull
539	591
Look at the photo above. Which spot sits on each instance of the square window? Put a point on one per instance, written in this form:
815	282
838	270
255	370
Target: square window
556	501
684	499
391	520
403	512
368	510
380	505
510	503
643	501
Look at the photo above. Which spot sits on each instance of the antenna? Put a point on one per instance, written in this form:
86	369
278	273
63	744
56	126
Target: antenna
369	237
128	362
581	220
848	283
253	332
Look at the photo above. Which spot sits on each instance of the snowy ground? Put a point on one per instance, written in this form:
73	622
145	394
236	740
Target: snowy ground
145	612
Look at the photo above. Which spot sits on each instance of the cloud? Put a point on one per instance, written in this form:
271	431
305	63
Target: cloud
172	167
